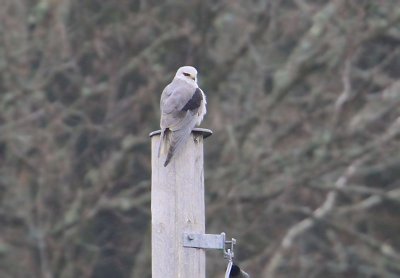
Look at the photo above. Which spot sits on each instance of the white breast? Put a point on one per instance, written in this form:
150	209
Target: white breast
202	108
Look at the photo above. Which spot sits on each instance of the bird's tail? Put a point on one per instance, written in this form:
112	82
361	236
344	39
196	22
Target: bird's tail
164	133
177	140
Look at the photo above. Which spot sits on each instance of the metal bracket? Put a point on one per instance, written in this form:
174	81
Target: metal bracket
214	241
210	241
204	241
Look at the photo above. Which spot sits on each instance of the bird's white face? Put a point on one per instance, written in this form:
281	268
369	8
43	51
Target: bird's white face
187	73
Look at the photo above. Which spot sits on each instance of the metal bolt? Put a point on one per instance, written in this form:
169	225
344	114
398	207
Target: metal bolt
190	237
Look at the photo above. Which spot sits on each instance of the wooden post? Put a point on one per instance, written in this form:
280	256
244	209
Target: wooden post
177	206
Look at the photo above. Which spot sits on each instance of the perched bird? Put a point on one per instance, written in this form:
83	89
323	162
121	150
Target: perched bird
183	106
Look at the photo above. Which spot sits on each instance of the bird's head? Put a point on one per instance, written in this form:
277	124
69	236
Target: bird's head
187	73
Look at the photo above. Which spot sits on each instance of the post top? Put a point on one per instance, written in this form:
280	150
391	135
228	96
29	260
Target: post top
203	131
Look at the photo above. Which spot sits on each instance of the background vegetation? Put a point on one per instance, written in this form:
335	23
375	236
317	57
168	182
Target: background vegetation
303	167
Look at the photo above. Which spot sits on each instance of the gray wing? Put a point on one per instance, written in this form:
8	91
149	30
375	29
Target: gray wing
180	103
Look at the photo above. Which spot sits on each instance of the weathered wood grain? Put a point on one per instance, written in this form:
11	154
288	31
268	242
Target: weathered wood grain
177	206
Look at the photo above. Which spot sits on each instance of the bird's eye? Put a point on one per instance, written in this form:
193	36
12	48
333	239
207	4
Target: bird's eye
186	74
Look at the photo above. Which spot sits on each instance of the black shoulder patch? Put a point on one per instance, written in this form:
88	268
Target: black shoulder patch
194	102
